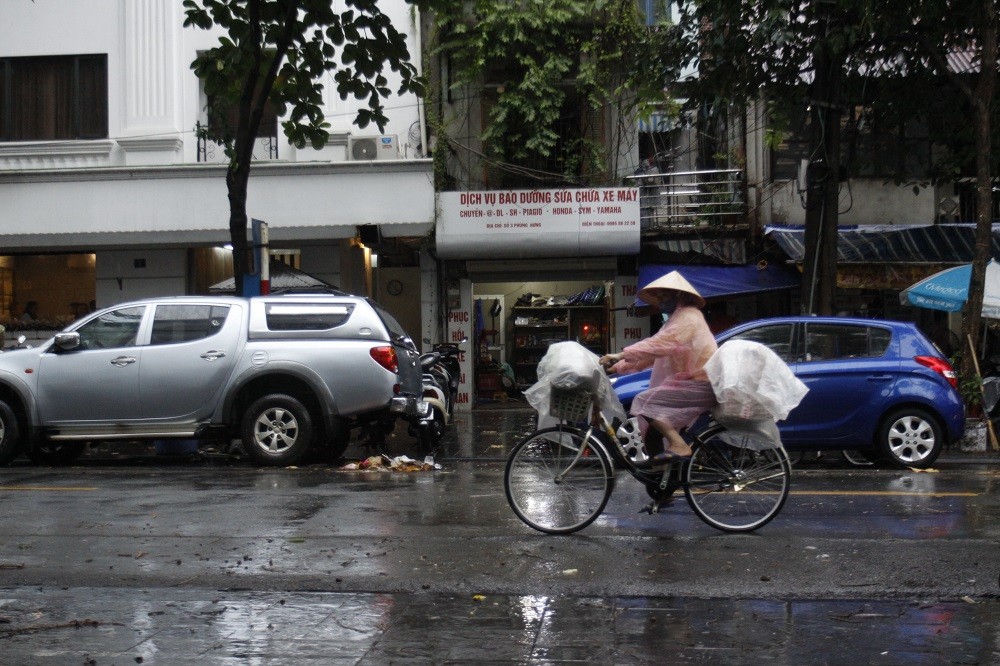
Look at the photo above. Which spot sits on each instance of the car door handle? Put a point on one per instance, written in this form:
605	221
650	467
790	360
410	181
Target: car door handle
122	361
213	355
879	378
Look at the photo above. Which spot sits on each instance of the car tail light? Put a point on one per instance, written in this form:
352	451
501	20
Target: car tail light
386	357
940	366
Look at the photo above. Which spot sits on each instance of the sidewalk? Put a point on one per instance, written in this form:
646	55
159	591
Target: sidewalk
101	626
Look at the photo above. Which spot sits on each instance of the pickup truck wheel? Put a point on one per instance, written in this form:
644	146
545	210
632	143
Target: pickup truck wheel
277	429
56	454
10	435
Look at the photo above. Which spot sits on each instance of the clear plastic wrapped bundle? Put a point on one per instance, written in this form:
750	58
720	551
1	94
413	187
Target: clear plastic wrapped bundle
751	382
570	366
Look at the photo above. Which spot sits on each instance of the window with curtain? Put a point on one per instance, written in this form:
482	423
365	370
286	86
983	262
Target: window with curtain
54	97
224	118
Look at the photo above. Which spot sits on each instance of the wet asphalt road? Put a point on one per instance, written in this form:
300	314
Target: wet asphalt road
134	559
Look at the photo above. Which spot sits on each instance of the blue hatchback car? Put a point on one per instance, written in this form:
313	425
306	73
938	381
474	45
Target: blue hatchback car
879	387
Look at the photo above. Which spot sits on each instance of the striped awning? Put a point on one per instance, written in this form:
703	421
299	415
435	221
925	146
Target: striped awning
897	244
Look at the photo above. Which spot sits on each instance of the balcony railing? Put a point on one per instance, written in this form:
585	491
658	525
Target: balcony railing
265	148
682	200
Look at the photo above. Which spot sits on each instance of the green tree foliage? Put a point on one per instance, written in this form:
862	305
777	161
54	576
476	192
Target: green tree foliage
969	28
787	53
830	55
276	52
545	60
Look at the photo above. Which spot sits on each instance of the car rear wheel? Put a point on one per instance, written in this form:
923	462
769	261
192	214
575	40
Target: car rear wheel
10	435
277	429
910	437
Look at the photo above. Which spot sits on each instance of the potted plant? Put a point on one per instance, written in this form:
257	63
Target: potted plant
970	388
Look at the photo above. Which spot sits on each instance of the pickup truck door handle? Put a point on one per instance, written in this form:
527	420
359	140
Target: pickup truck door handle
122	361
213	355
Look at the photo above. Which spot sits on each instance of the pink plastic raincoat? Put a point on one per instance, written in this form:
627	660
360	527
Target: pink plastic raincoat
679	390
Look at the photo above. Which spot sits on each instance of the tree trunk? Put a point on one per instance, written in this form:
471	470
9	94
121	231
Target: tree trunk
982	109
236	183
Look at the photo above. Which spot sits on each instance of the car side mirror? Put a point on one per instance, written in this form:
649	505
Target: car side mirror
67	341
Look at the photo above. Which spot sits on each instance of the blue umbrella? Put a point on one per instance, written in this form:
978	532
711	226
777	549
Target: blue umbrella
949	289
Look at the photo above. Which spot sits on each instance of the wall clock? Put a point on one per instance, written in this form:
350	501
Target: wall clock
394	287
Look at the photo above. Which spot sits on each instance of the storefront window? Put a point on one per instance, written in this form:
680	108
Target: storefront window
45	292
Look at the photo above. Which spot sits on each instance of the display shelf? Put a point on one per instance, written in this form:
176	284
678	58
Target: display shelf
537	327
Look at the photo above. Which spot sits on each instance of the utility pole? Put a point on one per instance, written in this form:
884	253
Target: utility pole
819	277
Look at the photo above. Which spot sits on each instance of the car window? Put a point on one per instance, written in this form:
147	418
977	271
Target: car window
186	323
824	342
777	337
878	341
307	316
117	328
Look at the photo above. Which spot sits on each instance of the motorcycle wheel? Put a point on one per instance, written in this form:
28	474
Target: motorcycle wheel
437	426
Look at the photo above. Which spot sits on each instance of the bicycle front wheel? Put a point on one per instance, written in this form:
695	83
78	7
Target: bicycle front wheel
734	488
556	482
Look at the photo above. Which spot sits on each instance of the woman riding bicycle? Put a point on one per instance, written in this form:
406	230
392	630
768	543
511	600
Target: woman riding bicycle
679	390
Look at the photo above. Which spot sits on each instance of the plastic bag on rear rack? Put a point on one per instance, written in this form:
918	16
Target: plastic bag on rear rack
754	388
571	366
753	434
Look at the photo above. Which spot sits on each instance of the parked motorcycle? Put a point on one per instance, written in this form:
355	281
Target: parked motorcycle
441	376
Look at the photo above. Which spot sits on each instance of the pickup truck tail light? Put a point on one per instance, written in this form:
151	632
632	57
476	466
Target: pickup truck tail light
386	357
940	366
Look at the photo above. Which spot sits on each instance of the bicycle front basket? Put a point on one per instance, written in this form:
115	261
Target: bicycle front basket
570	404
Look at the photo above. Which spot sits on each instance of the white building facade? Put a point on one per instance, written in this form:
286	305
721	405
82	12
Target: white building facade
116	189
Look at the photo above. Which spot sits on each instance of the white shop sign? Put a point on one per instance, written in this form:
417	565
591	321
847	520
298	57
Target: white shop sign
628	328
504	224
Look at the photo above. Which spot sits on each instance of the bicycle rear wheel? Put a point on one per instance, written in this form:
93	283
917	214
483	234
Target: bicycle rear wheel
554	487
734	488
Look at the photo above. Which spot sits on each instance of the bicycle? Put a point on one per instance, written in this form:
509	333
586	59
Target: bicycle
558	480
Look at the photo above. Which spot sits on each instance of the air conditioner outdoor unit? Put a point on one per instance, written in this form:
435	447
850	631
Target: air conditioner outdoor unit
382	147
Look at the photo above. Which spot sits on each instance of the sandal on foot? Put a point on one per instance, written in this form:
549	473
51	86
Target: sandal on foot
662	458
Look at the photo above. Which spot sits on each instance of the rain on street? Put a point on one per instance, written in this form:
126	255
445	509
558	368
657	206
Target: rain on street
108	528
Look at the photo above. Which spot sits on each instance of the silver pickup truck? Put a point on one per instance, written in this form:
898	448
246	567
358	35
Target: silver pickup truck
284	373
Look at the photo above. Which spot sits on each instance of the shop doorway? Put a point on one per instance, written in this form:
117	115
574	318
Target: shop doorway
515	322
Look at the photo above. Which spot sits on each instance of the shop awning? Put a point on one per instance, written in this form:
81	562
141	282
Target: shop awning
897	244
713	281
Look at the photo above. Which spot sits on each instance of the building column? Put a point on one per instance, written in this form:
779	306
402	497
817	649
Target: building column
150	126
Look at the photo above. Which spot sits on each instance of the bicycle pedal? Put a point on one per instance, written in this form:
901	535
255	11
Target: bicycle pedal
654	507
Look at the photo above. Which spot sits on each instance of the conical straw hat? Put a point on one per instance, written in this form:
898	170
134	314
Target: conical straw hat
652	293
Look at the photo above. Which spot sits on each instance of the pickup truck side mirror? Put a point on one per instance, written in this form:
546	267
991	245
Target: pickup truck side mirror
67	341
